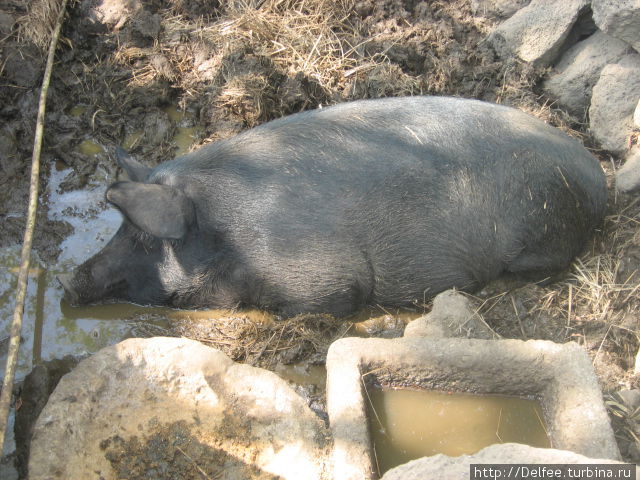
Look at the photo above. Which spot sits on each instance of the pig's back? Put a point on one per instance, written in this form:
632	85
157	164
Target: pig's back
416	194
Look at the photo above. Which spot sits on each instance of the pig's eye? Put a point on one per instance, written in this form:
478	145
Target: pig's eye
147	242
115	286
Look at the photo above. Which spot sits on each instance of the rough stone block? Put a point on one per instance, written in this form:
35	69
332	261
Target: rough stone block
457	468
579	69
628	177
536	32
613	101
619	18
451	316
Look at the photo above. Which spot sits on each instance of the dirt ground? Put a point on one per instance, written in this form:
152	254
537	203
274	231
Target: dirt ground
234	65
171	451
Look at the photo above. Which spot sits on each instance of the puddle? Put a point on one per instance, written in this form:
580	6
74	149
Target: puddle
90	148
77	111
408	424
186	130
175	114
184	138
48	332
132	139
304	374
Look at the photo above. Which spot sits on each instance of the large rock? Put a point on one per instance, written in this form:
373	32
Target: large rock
174	408
7	21
628	177
619	18
453	468
613	102
579	70
451	316
536	32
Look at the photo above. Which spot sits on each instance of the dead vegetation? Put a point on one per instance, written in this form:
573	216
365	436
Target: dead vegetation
262	59
266	342
37	24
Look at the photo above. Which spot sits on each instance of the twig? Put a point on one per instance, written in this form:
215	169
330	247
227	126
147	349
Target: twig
569	308
498	427
202	472
515	309
595	357
16	326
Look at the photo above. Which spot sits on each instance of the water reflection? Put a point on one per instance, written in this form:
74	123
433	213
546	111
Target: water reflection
52	329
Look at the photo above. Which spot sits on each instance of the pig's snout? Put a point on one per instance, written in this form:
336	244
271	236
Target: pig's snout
70	295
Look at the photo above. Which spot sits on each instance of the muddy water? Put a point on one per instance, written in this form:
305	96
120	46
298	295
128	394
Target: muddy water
304	374
408	424
50	328
90	148
186	131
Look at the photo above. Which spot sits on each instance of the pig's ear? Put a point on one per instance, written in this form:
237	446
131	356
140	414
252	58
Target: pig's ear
135	170
160	210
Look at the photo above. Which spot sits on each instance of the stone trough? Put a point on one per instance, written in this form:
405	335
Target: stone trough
559	376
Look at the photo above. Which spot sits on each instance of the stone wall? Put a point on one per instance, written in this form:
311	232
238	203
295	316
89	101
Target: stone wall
592	48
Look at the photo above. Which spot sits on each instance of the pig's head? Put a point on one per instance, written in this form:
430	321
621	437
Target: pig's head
155	258
141	263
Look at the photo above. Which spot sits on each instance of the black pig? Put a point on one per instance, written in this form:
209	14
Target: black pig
384	201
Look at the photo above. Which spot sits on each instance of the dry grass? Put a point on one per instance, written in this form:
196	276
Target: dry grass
322	41
298	36
597	286
265	342
37	25
625	419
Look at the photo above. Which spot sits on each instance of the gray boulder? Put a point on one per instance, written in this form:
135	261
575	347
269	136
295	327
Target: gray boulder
619	18
451	316
536	32
454	468
613	102
174	408
7	21
579	69
628	177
